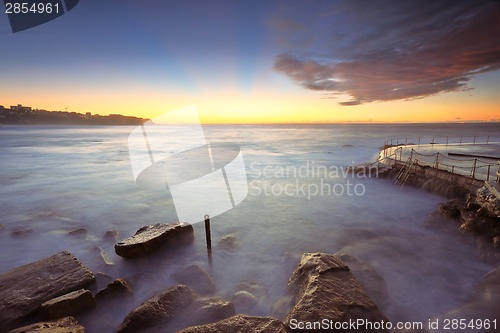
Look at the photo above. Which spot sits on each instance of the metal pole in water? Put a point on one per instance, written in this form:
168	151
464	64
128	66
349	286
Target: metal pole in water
208	238
437	163
488	176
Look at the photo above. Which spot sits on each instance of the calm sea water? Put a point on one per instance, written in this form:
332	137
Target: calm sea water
57	179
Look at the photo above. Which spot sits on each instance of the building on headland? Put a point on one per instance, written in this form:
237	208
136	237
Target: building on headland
21	108
25	115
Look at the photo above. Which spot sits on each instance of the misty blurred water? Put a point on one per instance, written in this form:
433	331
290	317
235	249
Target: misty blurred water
57	179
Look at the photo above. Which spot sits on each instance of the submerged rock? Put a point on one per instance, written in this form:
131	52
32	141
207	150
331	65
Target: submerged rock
196	278
324	288
21	232
244	301
161	308
483	304
240	324
24	289
102	255
229	242
117	287
63	325
111	235
151	237
68	305
81	232
368	278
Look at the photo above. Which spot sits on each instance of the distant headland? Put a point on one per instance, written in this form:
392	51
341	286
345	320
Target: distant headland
25	115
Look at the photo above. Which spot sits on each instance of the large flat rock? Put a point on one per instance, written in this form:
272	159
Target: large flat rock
63	325
240	324
24	289
67	305
151	237
325	289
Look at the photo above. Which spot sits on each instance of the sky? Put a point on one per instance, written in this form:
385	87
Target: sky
262	61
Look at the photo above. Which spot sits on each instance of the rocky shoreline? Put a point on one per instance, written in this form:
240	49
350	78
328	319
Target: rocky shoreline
322	286
336	287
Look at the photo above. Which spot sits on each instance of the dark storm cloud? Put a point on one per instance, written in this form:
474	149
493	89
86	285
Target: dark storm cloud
390	50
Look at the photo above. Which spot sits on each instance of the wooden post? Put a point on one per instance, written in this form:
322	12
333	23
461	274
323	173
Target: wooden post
474	169
488	175
208	238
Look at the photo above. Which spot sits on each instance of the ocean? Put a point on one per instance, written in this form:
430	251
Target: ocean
58	179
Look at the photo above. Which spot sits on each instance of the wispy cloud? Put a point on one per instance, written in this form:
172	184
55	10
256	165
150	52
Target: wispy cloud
390	50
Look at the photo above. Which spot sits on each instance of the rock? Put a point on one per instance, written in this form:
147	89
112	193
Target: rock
111	235
63	325
450	209
159	309
67	305
260	292
488	197
471	202
102	279
483	304
81	232
117	287
368	278
21	232
244	301
149	238
240	324
102	255
209	310
281	307
324	288
196	278
229	242
24	289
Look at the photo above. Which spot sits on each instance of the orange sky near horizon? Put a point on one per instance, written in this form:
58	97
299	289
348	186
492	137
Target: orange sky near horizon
266	106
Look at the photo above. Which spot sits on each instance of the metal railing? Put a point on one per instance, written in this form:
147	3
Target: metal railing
472	167
424	140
